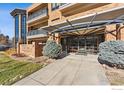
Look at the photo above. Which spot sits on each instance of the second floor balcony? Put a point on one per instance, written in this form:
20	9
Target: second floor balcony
37	33
37	15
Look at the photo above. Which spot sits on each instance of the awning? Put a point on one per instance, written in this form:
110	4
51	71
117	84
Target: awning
92	21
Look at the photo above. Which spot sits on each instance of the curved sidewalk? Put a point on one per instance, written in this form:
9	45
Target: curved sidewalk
71	70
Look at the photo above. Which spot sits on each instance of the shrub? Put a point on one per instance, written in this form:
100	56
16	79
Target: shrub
112	53
52	49
10	51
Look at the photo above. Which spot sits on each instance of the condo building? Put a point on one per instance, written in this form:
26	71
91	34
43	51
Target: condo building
73	25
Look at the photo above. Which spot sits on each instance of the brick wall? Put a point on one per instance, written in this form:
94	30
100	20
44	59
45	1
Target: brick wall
109	36
32	50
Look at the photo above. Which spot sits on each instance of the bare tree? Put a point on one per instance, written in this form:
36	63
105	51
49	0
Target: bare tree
4	39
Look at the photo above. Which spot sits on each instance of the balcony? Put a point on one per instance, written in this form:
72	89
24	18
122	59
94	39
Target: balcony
36	33
37	15
59	5
75	8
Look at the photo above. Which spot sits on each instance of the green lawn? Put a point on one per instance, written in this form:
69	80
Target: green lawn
12	70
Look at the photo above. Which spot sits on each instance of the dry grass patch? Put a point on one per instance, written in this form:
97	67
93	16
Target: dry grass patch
10	51
114	75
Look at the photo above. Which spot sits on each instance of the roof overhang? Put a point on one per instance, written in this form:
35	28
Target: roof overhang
112	16
18	11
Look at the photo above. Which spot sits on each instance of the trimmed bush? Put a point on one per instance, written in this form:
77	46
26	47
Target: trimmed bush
112	53
52	49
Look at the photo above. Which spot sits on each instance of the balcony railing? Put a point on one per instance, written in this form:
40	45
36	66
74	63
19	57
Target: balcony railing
58	5
38	13
37	32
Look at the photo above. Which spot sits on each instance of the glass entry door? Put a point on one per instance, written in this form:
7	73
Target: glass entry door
90	43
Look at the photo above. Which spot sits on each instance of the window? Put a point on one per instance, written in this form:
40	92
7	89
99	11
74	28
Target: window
16	28
23	28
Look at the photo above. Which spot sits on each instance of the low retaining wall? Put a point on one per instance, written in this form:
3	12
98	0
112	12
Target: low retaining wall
32	50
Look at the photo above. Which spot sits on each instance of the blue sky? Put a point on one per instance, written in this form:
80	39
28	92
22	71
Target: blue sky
6	20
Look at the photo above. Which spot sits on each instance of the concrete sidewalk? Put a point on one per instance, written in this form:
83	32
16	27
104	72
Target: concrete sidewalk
71	70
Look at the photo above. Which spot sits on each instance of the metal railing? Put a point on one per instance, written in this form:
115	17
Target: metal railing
40	12
36	32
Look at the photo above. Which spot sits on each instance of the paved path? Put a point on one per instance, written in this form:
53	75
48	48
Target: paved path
71	70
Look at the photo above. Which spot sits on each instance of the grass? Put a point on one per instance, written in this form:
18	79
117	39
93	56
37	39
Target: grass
12	70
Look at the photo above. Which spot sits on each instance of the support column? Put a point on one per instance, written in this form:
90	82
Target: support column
97	43
85	43
57	38
18	48
118	33
20	40
78	43
27	41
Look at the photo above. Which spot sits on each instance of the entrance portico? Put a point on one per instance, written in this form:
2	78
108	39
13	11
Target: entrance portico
89	31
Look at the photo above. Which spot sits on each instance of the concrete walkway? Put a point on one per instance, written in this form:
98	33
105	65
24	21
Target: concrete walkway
71	70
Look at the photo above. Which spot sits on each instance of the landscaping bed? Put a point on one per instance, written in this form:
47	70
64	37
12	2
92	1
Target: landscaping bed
111	56
114	75
13	70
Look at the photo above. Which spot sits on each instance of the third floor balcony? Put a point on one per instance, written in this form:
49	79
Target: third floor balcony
59	5
37	15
